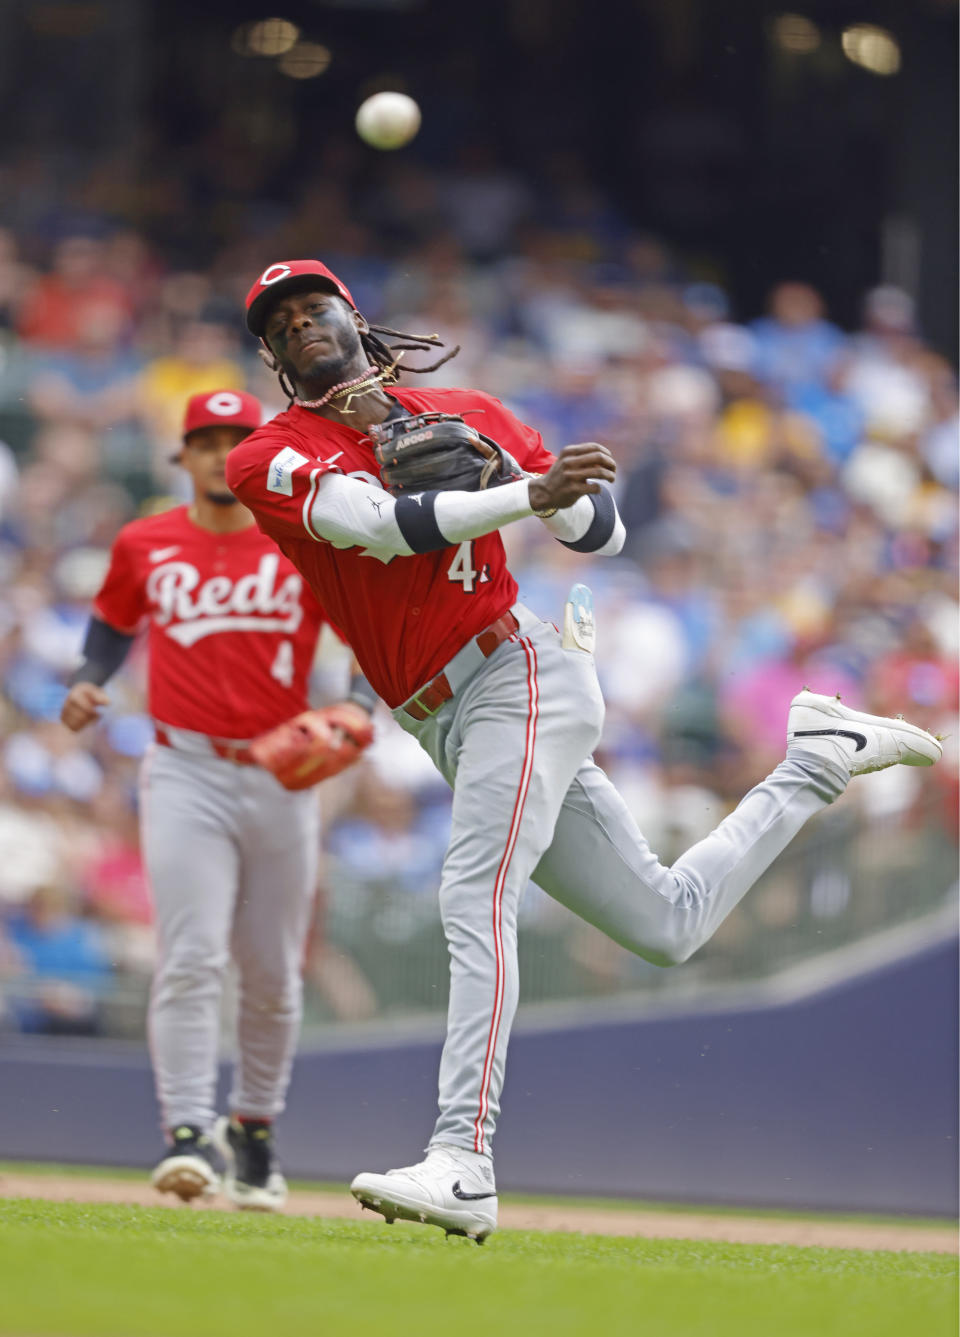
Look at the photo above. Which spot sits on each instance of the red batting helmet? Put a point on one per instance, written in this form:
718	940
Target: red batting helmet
285	277
221	408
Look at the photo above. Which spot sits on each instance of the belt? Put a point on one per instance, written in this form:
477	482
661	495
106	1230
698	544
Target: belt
432	696
199	744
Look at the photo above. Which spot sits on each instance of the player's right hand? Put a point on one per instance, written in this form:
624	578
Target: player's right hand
577	471
83	704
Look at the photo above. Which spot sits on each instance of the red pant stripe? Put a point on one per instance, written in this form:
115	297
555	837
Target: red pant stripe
525	772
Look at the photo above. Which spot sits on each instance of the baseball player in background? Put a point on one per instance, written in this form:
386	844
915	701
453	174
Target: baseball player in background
231	854
508	710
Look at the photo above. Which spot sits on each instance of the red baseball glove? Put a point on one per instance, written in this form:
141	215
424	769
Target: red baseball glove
315	745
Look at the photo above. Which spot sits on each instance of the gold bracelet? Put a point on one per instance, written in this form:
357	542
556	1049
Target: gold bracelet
541	515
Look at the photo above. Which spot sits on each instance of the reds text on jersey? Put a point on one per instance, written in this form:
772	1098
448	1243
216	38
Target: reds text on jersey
405	617
232	626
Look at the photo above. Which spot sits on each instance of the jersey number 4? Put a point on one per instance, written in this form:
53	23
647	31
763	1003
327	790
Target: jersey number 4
282	667
461	568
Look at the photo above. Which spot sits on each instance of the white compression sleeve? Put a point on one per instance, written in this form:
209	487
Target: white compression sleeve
348	512
467	515
571	523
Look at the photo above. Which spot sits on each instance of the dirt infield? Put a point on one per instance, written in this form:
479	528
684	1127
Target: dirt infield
526	1216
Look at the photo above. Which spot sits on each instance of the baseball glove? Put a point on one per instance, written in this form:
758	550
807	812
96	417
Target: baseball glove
427	452
313	746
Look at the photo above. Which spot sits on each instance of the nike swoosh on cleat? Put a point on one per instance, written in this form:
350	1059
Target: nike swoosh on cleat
858	738
458	1192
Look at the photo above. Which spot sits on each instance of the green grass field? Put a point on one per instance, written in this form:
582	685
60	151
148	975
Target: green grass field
69	1270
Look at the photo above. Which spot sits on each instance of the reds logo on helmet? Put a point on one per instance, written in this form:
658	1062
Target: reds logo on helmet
224	407
190	611
285	277
273	273
224	403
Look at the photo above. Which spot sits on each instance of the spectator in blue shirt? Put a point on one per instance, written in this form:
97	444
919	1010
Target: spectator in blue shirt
65	963
796	346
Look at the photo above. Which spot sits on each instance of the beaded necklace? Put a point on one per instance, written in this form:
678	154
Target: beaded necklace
360	385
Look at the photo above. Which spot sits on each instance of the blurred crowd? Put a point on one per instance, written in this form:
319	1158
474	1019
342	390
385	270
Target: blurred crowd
789	490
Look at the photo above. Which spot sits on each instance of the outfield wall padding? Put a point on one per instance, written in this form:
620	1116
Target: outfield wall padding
845	1100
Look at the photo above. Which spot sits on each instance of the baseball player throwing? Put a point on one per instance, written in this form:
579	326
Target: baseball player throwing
363	489
230	853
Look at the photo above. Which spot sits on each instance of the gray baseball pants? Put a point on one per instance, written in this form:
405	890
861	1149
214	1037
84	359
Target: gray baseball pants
528	802
232	861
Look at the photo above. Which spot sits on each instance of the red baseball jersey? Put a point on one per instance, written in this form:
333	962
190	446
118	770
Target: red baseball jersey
232	627
408	616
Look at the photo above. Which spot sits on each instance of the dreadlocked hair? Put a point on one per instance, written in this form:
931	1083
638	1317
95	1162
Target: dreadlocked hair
385	355
382	354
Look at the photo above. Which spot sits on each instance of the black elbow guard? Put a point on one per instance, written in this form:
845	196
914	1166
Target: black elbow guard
601	526
417	519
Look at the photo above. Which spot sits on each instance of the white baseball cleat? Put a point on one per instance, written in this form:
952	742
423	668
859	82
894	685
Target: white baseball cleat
866	743
452	1189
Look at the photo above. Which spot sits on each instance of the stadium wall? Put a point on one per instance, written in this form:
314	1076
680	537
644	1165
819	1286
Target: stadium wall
842	1098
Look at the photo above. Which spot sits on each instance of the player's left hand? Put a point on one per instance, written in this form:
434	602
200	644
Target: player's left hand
314	745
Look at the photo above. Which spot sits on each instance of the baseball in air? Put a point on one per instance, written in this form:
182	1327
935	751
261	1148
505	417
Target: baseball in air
388	120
